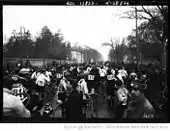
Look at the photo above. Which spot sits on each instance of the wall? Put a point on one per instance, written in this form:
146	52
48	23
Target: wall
35	62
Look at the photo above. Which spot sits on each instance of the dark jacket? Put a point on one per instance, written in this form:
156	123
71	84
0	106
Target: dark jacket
74	106
139	109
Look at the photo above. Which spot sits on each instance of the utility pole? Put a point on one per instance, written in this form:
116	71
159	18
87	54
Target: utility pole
137	42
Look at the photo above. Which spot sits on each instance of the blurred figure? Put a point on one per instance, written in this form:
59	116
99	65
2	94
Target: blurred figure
122	99
110	86
74	104
139	107
12	105
47	111
83	87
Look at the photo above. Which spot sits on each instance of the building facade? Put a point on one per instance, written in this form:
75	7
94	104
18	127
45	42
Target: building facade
77	56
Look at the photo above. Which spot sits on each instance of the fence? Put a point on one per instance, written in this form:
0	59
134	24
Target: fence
34	62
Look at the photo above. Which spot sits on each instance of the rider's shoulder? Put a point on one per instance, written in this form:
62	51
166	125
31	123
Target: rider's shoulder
9	96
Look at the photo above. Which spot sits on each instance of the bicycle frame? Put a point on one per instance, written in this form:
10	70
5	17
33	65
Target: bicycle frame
91	104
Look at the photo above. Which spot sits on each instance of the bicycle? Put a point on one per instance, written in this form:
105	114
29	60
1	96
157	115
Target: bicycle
91	105
58	111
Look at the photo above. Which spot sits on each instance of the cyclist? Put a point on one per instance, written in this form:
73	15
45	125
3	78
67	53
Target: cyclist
92	79
110	85
74	104
82	84
38	88
103	72
12	105
58	75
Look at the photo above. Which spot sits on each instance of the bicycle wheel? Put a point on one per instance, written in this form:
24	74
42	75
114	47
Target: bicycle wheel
57	113
94	113
87	109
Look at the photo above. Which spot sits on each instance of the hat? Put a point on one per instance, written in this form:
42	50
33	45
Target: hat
138	84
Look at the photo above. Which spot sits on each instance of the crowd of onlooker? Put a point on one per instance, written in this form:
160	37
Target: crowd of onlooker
131	91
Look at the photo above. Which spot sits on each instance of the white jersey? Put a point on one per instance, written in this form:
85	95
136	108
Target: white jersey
122	94
88	69
25	70
83	87
78	69
34	75
106	68
48	73
64	83
102	72
123	73
113	71
42	79
120	77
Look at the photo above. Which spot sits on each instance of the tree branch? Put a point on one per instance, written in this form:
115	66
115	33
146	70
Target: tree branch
143	17
147	12
107	44
161	10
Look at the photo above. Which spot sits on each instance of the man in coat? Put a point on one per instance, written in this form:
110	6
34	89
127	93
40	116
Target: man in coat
74	103
139	106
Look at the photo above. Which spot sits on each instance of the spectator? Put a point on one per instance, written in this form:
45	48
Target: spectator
139	107
74	104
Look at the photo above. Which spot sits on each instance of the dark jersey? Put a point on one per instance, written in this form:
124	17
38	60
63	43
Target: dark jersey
110	78
93	76
58	75
92	79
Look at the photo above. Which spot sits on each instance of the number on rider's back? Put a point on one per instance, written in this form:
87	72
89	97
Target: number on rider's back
19	92
59	75
90	77
110	77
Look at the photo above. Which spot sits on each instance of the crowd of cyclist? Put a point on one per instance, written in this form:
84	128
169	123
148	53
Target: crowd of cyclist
131	91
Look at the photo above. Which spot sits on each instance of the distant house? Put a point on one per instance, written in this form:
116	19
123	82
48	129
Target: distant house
77	56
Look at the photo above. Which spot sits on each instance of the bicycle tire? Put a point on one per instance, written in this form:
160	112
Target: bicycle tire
94	113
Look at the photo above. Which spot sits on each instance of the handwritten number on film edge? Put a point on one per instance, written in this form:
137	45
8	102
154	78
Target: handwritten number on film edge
86	3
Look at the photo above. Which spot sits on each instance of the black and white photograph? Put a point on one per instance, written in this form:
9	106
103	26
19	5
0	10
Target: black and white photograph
85	63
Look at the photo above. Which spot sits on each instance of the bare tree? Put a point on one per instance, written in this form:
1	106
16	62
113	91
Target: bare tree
153	14
118	49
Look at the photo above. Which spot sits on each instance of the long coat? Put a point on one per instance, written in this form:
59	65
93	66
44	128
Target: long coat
74	106
139	109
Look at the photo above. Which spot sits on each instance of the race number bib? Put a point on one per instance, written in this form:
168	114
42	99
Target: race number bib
18	91
123	73
110	77
58	75
41	83
15	78
91	77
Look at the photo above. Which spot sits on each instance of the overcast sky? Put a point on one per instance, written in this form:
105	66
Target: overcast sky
88	25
